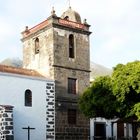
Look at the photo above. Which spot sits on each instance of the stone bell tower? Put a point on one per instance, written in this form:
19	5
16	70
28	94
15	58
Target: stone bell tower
59	48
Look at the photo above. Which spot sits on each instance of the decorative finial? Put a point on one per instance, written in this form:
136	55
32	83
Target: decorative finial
26	28
53	11
85	21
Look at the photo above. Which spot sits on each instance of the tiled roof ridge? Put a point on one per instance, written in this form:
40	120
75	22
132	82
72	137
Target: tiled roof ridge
22	71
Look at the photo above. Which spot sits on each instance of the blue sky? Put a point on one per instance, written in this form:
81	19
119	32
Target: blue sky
115	26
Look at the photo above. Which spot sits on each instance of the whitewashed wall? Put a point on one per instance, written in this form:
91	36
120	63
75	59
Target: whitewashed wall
12	89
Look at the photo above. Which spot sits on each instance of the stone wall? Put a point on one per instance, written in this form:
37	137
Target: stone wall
50	126
61	76
42	61
81	49
64	68
6	123
65	131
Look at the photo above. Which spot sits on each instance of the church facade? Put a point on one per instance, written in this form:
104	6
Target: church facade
57	49
25	102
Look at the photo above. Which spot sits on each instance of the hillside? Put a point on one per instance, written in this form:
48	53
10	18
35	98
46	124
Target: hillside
15	62
96	69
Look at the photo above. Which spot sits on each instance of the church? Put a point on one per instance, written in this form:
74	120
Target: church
40	100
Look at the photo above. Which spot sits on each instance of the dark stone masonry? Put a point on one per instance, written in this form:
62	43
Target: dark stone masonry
6	122
50	107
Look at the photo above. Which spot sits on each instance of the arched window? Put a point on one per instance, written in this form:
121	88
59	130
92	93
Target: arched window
36	46
28	98
71	46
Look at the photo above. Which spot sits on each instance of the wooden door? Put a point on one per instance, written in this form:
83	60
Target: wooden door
100	131
120	130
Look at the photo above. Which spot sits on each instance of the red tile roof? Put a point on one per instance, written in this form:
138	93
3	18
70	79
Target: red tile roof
21	71
63	22
71	24
35	28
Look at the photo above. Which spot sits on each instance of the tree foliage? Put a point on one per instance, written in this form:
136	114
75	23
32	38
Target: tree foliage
126	88
98	100
115	96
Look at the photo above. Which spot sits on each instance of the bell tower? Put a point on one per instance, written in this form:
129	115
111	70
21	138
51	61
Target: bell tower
59	48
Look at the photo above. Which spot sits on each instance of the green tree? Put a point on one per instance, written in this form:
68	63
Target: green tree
126	88
118	95
98	100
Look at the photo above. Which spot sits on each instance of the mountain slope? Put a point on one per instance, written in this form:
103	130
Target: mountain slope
98	70
15	62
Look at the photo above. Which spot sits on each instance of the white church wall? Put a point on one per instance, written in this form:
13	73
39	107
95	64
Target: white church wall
128	130
115	130
12	90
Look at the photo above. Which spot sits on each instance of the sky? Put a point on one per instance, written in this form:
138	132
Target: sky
115	26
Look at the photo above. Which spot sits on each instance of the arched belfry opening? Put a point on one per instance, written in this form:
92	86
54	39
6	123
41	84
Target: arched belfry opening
71	46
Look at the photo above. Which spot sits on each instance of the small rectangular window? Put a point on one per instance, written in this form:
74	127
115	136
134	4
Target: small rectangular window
71	116
71	85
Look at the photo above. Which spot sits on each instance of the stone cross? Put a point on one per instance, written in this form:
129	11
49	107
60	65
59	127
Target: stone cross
28	128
